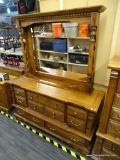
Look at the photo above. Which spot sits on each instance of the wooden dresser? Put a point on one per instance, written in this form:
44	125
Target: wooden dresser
107	145
62	103
69	115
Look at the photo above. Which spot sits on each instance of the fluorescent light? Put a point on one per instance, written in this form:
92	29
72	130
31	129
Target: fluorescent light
8	10
1	1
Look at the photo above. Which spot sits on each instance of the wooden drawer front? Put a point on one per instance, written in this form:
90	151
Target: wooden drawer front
56	130
117	101
34	119
36	106
20	100
112	146
19	91
118	88
114	128
52	113
76	123
20	112
77	112
76	139
107	155
115	114
57	105
43	100
32	96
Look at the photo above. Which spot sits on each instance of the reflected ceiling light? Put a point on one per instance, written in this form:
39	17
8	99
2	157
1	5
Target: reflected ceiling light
8	10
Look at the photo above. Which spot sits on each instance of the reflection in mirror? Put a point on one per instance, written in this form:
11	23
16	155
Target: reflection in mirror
58	50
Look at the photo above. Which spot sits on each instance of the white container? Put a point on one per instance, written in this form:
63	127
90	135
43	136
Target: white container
71	29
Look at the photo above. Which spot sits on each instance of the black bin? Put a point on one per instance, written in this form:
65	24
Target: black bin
78	58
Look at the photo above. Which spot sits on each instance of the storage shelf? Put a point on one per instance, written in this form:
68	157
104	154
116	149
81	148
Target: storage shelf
84	38
78	64
53	52
49	60
78	53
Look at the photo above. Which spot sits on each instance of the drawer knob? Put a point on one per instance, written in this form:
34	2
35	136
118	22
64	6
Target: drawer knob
18	92
35	107
75	113
31	97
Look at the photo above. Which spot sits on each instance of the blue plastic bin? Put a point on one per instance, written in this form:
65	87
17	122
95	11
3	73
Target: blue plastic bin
59	45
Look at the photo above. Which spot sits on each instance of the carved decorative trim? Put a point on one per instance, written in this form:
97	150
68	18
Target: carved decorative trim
87	14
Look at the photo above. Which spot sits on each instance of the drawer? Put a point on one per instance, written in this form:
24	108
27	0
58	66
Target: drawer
76	112
34	120
115	114
57	105
52	113
36	106
19	91
43	100
20	100
76	139
116	102
107	155
113	128
76	123
30	117
118	87
32	96
112	146
20	112
56	130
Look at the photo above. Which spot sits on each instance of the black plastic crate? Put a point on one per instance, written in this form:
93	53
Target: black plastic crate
78	58
46	46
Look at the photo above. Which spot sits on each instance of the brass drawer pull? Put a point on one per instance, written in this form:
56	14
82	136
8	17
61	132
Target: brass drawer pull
31	97
74	139
18	92
20	113
52	129
114	148
53	114
35	120
55	105
35	107
21	101
75	124
75	113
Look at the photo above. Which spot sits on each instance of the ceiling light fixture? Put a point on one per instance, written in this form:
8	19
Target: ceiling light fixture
1	1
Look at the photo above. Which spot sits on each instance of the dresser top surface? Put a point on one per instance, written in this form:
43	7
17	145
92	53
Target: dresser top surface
114	63
87	101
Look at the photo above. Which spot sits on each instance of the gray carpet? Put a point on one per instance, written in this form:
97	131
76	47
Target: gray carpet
18	143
